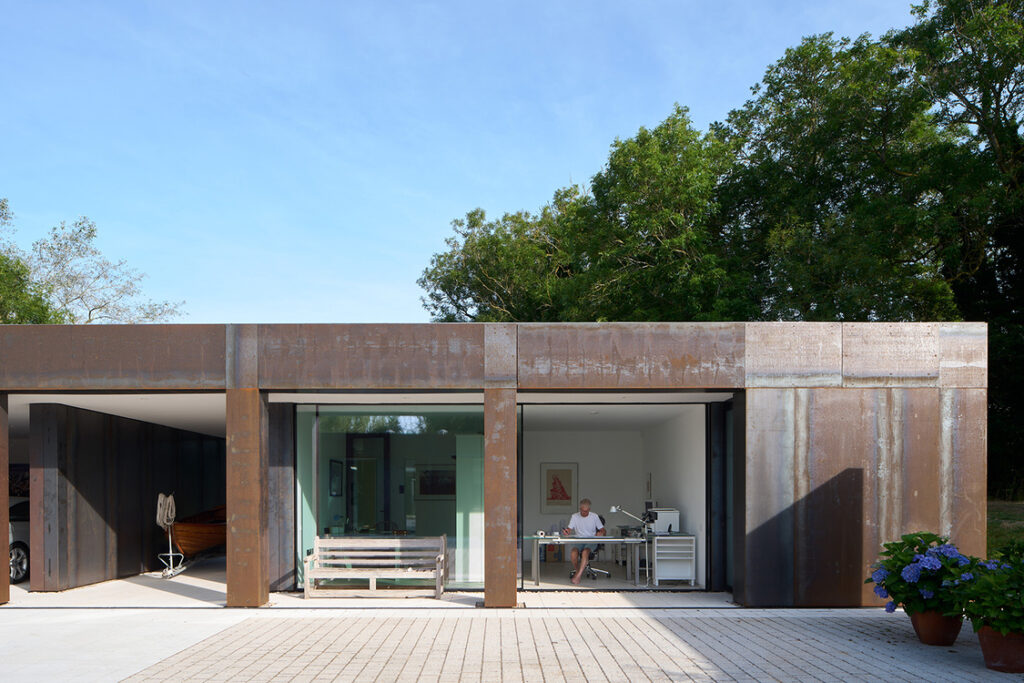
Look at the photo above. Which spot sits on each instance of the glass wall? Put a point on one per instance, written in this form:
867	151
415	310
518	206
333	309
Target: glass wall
394	471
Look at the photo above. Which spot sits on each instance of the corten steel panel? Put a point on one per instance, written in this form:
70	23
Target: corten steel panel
242	356
846	447
920	465
890	354
427	356
963	355
769	488
47	498
500	367
111	357
794	354
500	523
969	470
5	588
631	356
281	496
247	460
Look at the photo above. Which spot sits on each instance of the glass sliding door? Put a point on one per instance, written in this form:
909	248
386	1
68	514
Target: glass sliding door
395	471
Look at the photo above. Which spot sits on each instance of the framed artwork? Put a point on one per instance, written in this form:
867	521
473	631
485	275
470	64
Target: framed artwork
337	473
435	482
559	482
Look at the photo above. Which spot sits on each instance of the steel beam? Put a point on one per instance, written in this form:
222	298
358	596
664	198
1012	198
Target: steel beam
624	356
421	356
247	466
501	531
111	357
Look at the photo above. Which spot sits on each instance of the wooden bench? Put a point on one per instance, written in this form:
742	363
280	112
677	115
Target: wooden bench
376	558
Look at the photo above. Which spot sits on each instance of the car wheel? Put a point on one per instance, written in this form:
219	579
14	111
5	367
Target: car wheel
19	562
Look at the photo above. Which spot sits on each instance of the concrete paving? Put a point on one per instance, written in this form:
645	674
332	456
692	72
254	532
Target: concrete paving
147	628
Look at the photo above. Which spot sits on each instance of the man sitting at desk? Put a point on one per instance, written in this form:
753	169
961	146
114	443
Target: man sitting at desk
585	525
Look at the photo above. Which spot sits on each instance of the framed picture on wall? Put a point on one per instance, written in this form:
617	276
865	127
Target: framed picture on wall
337	478
559	482
435	482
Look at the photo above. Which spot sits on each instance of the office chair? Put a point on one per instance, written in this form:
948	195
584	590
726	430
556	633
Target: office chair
592	572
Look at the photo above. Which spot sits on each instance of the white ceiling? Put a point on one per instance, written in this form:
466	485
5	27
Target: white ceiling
203	413
600	417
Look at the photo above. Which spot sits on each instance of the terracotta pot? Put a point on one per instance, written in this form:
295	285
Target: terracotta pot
1002	653
933	628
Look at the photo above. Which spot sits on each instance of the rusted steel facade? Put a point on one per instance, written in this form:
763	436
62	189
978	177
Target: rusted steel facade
850	433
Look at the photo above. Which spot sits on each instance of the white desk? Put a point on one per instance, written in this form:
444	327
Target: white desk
538	541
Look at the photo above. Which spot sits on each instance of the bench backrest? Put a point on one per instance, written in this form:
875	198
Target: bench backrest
380	552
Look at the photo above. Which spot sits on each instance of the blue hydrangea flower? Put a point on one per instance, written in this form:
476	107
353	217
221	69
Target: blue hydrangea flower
967	576
991	564
1007	566
932	563
881	592
911	573
878	576
927	594
948	550
918	556
890	607
962	561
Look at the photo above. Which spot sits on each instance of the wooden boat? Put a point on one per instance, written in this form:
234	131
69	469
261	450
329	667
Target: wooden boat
201	531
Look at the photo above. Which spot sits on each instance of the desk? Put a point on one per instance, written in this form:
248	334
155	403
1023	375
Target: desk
538	541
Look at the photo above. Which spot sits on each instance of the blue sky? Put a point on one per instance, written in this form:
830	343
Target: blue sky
301	161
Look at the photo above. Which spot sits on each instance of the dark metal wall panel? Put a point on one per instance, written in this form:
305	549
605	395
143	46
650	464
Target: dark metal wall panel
281	497
111	357
890	354
739	497
837	454
769	493
969	471
247	465
500	495
424	356
789	354
716	496
96	478
919	469
5	441
631	356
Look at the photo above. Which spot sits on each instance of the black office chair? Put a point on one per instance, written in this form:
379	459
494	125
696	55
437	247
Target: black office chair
592	572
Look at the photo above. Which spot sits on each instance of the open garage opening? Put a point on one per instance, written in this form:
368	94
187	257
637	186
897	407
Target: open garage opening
91	466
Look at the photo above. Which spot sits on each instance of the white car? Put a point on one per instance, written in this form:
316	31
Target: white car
19	535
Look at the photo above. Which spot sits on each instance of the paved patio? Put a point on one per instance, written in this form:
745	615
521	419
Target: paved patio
146	628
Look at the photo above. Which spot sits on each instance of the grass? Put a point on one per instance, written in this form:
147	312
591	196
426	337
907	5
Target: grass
1005	523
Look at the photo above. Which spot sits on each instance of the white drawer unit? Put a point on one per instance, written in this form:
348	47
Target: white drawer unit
675	559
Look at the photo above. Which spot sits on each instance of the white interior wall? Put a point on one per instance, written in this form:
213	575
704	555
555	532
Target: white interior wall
610	473
676	456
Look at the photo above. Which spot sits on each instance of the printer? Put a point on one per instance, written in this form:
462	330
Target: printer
666	520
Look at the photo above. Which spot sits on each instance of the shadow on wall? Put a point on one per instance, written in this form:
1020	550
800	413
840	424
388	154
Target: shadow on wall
811	553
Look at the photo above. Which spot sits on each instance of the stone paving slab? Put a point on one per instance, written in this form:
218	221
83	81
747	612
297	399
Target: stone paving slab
574	645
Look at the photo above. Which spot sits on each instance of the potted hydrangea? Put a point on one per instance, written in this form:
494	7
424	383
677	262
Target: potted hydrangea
994	602
921	572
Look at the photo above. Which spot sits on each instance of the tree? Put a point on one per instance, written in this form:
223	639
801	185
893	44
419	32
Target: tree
968	55
86	287
21	300
637	246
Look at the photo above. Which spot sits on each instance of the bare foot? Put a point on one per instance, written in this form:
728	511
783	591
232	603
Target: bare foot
576	579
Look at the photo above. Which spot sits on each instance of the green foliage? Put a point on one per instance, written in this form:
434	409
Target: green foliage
638	246
995	596
920	572
21	301
865	180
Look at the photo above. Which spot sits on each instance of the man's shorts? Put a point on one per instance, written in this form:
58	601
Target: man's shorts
592	547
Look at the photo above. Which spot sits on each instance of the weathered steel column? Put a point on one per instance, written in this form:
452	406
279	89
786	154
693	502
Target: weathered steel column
5	587
247	466
501	531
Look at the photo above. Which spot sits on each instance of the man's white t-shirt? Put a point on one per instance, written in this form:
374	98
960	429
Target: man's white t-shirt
585	526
